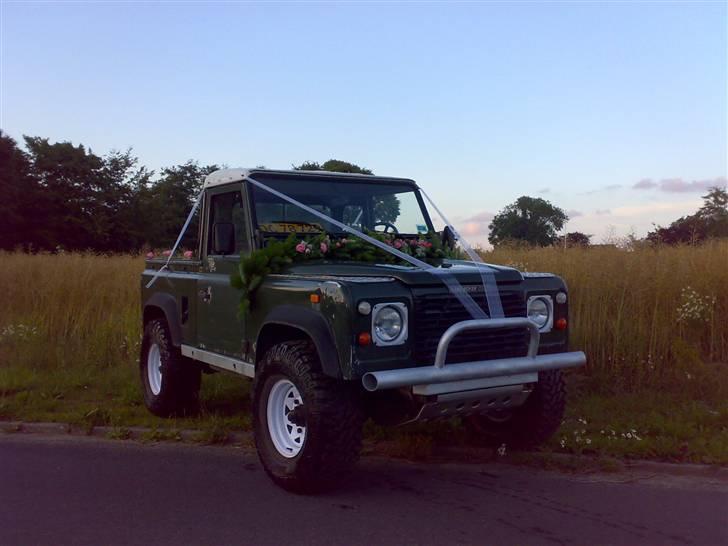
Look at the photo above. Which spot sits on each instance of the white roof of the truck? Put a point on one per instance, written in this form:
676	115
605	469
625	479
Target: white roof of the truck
225	176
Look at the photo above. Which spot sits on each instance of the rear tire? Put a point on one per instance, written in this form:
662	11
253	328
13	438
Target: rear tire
530	425
170	382
307	426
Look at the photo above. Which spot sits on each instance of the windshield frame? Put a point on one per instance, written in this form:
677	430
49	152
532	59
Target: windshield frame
332	178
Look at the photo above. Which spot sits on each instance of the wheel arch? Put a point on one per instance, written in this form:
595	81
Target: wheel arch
289	322
161	305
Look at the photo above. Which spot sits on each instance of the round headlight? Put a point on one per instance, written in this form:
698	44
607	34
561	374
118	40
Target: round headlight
388	324
538	312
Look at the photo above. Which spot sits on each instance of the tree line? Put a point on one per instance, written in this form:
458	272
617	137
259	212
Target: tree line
537	222
57	195
709	222
61	196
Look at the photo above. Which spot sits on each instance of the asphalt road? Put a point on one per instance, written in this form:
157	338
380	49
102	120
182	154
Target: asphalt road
60	490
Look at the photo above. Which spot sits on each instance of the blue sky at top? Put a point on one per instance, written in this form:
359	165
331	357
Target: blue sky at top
481	103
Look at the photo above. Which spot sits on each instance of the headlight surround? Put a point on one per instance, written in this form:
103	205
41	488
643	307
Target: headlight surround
540	311
389	323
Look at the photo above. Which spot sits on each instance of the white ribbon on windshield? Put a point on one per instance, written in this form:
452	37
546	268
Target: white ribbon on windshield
487	274
442	273
179	239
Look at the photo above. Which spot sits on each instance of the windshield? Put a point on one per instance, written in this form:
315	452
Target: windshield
374	206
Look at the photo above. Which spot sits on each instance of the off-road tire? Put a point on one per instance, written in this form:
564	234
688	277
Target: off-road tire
179	394
530	425
333	420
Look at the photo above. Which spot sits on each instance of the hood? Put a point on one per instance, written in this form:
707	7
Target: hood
465	272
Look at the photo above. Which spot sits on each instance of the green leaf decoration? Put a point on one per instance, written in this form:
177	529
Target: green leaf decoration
277	255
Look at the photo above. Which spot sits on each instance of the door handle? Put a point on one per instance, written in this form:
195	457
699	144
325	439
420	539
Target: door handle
206	294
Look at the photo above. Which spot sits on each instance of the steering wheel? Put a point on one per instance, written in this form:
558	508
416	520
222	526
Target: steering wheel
387	226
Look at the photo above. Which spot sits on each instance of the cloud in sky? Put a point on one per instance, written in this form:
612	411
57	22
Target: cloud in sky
645	184
680	185
544	190
653	208
610	187
476	225
602	212
572	213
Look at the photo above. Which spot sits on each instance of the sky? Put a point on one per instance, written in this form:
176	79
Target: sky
614	111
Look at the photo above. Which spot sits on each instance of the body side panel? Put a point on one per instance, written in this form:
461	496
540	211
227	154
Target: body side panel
175	294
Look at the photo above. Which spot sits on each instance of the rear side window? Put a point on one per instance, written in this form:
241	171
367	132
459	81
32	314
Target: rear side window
228	208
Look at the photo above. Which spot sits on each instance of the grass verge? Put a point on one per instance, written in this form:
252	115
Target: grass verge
654	425
86	398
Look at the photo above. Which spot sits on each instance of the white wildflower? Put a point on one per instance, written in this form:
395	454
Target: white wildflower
694	307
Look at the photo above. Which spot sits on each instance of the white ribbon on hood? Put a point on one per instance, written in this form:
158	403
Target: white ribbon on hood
487	273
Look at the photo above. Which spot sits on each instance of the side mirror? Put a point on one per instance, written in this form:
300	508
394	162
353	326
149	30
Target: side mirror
448	237
223	238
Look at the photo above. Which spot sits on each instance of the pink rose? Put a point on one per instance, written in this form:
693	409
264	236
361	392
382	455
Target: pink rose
167	253
413	242
188	254
324	248
150	255
426	244
301	247
338	244
398	243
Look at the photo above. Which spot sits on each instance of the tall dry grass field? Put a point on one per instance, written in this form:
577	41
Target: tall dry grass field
641	315
68	310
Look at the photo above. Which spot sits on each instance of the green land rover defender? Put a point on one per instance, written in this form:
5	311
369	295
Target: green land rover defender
335	337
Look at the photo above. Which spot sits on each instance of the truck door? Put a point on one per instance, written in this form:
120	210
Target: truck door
220	329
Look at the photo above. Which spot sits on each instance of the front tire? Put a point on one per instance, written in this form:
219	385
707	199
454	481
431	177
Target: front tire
170	382
531	424
307	426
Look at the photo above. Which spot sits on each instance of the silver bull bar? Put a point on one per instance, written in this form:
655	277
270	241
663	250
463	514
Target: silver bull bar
440	373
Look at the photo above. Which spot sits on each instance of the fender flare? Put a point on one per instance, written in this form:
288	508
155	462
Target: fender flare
168	305
314	325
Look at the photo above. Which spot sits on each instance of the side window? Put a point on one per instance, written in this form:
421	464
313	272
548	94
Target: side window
228	212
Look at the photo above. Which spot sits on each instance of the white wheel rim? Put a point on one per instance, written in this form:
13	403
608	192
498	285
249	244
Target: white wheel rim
154	369
287	437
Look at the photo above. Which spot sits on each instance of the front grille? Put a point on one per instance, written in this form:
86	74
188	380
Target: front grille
436	310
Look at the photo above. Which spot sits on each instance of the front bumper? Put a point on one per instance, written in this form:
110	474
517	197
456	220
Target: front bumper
468	371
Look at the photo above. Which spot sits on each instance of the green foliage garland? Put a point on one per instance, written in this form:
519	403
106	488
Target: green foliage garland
277	255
